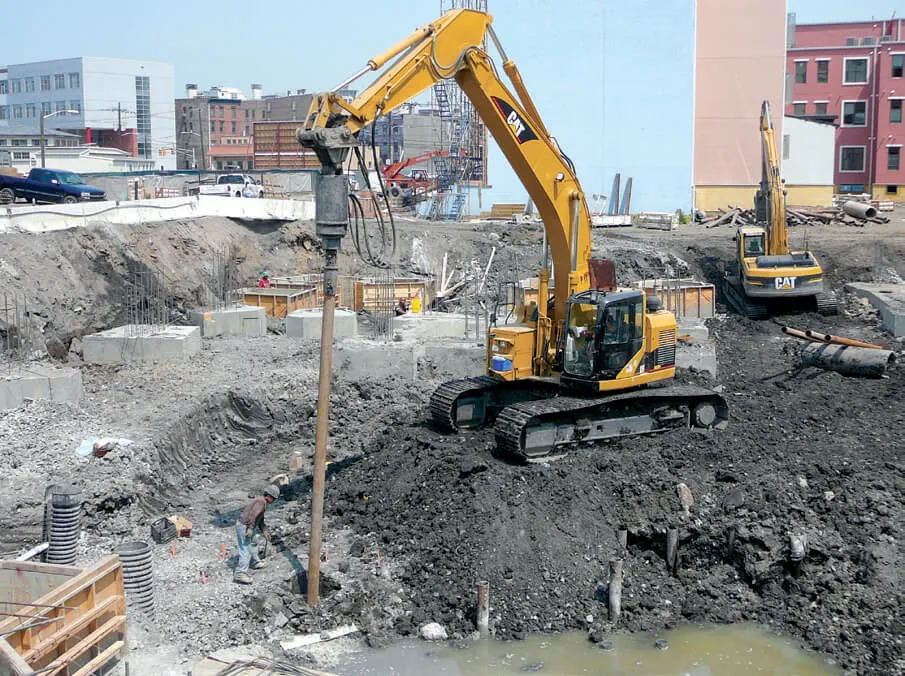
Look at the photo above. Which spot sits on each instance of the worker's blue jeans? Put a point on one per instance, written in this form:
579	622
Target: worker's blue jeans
248	550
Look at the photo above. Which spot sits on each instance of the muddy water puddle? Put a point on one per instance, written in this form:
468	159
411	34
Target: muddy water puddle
719	651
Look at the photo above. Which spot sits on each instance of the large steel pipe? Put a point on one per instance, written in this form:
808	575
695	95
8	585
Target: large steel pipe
850	361
859	209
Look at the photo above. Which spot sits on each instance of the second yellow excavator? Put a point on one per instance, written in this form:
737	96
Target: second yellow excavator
766	274
589	364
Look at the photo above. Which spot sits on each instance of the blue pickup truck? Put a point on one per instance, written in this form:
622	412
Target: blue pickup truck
48	185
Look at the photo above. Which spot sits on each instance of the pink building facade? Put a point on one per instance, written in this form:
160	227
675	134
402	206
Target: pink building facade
852	75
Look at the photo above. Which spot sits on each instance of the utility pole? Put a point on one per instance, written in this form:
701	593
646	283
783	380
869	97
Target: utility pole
119	117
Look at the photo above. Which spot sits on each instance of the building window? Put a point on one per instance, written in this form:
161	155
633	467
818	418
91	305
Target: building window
15	86
60	105
851	158
2	141
855	71
29	84
892	190
45	83
801	72
59	81
222	114
898	65
76	106
36	142
234	109
213	126
823	71
854	113
74	81
820	108
799	108
143	115
246	130
892	158
31	110
4	87
895	111
254	114
233	127
46	108
18	142
17	111
4	112
21	156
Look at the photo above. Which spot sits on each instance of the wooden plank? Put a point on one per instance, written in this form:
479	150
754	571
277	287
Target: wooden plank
51	642
31	567
10	658
86	643
101	659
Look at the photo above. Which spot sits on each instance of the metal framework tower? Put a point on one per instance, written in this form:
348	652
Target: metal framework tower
463	135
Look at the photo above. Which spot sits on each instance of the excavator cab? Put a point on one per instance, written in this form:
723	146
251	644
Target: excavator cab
605	331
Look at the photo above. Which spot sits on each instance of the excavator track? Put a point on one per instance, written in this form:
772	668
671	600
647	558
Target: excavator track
741	303
444	401
534	430
474	402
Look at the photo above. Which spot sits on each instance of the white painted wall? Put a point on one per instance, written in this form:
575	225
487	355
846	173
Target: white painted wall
806	150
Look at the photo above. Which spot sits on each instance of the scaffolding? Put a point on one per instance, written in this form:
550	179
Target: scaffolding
463	135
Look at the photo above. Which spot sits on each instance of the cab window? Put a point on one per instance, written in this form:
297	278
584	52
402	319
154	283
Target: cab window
754	245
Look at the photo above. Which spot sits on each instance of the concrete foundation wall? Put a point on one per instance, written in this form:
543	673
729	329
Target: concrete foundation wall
440	325
307	324
889	299
126	344
48	217
40	382
241	321
359	359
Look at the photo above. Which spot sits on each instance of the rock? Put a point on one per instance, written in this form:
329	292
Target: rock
661	644
433	632
734	499
685	497
280	620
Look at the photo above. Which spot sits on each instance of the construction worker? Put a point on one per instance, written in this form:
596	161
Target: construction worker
252	518
264	282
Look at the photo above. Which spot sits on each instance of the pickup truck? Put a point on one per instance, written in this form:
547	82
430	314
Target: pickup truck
48	185
234	185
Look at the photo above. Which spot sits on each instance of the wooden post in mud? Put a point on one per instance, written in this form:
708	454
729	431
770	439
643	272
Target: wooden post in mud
615	590
672	550
483	608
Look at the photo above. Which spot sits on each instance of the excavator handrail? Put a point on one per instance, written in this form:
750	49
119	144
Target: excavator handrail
453	47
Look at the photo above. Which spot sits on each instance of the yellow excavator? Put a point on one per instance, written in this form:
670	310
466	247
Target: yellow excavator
766	275
580	367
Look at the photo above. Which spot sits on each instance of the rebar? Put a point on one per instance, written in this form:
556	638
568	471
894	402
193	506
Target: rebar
19	337
145	304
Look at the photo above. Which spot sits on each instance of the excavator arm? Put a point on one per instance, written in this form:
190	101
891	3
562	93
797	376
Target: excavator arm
771	200
453	48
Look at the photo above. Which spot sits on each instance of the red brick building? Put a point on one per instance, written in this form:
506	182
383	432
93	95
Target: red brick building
852	75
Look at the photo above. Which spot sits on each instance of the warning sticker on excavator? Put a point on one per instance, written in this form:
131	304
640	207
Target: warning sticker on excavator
785	282
518	126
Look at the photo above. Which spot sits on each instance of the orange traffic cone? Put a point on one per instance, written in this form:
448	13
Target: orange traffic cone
222	555
173	548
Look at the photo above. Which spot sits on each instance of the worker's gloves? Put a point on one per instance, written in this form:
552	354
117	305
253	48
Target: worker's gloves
249	532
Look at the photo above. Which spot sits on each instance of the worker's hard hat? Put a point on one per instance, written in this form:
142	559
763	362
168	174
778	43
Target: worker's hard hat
265	274
272	491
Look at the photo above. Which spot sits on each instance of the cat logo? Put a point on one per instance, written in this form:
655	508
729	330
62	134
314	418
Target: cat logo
520	129
785	283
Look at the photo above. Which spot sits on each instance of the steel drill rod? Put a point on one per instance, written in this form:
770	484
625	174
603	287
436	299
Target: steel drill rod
320	448
839	340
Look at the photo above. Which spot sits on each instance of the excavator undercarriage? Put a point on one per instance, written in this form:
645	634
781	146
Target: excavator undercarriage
532	421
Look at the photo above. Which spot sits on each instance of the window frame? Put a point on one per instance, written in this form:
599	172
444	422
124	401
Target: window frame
826	106
801	77
894	100
75	78
59	80
823	62
892	65
856	126
842	150
845	61
45	79
803	104
898	155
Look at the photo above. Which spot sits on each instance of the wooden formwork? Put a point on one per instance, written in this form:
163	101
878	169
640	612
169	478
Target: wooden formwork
60	620
372	295
304	282
684	297
280	302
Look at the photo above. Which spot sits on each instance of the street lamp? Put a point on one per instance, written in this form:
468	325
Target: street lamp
43	117
200	144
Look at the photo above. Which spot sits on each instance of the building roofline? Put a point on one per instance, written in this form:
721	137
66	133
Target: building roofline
847	23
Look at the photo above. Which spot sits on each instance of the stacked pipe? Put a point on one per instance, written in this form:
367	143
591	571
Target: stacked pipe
843	355
138	575
65	520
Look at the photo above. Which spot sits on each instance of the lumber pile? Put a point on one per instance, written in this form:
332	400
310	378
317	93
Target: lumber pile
735	216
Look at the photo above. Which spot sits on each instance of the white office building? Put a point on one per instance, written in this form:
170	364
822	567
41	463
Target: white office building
116	103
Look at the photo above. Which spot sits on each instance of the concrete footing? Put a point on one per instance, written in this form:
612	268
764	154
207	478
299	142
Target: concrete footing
38	381
130	343
889	299
357	359
307	324
695	350
439	325
239	321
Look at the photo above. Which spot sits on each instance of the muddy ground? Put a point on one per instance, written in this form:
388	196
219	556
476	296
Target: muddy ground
806	452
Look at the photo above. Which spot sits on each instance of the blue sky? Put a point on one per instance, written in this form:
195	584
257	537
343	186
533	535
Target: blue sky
557	44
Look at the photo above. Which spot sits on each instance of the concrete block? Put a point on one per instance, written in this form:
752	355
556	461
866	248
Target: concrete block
131	343
694	328
440	325
35	381
889	299
307	324
240	321
358	359
699	356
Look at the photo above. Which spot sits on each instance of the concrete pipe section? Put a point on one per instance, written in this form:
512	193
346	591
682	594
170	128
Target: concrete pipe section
138	575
